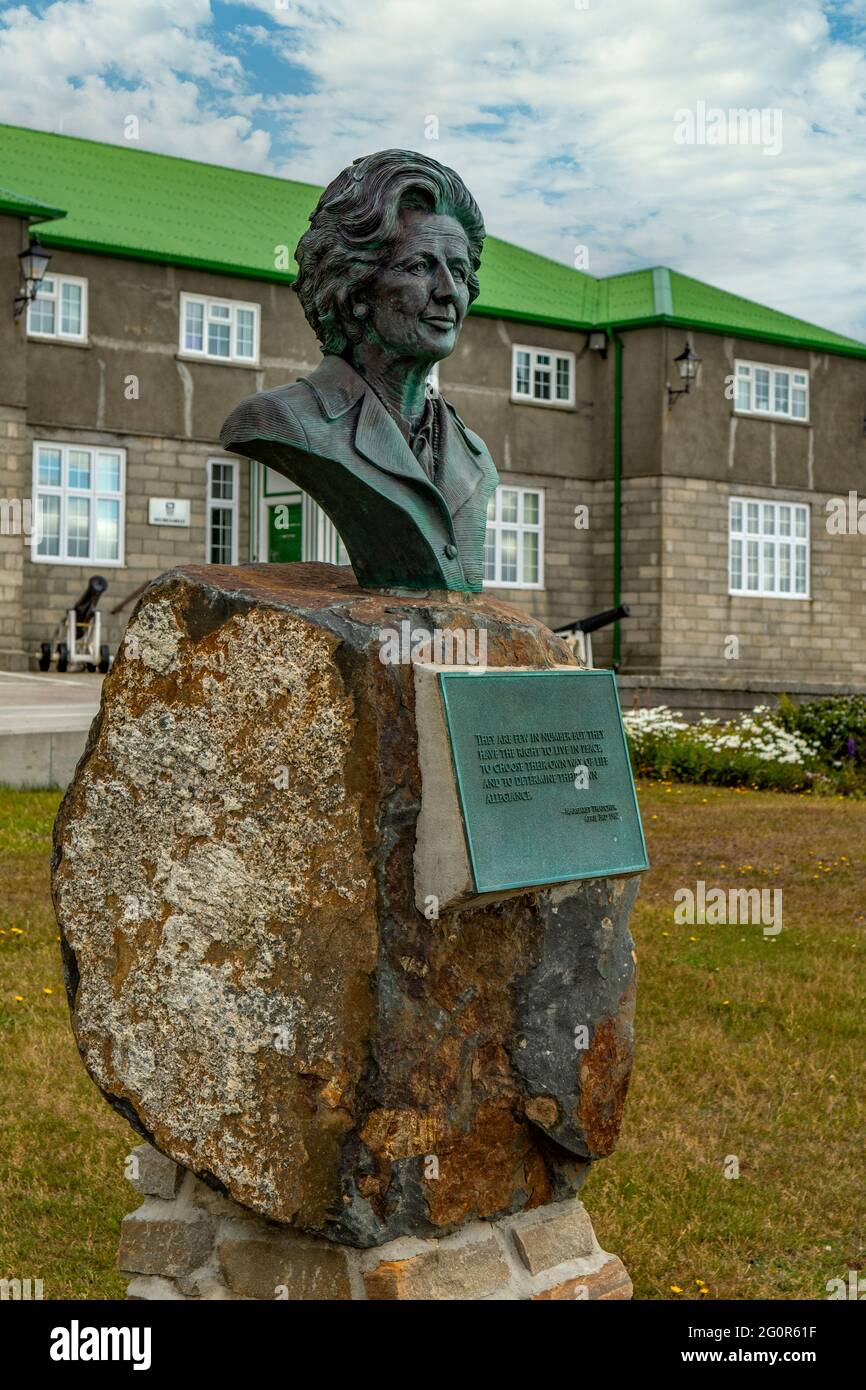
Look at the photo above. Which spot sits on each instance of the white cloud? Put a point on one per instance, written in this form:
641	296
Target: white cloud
62	69
561	119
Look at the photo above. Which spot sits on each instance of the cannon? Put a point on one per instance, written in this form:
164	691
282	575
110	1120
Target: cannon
77	637
578	634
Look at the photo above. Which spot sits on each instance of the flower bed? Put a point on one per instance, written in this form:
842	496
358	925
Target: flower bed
756	750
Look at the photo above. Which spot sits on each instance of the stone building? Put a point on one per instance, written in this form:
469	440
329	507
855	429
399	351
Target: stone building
168	298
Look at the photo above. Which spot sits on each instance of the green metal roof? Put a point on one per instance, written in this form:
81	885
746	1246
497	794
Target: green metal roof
128	202
20	205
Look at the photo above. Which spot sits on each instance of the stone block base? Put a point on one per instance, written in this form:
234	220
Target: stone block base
188	1242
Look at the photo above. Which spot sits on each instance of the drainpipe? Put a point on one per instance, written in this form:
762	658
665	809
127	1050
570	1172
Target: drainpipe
617	489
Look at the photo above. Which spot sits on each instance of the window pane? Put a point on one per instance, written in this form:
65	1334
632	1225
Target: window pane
70	309
752	515
79	468
769	520
78	527
785	569
108	472
530	508
762	388
751	564
221	526
490	555
800	569
244	333
541	387
736	516
781	383
219	339
48	468
522	378
800	522
48	514
736	564
530	557
769	566
107	529
508	545
784	521
41	311
219	311
193	333
222	481
509	504
563	378
798	403
744	393
491	507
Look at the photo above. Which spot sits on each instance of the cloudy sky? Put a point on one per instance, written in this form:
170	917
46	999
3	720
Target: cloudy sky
564	116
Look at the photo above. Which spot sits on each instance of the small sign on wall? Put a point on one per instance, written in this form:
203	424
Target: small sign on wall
168	511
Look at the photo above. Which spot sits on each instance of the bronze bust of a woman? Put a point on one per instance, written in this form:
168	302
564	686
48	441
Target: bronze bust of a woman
387	271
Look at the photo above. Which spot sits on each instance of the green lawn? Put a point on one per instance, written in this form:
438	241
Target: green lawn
747	1046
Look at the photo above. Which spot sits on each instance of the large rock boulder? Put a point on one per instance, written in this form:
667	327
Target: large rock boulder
251	982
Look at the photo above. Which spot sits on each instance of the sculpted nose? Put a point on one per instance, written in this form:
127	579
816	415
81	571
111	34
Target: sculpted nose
445	289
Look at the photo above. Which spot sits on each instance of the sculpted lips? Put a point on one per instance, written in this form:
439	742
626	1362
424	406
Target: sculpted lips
440	320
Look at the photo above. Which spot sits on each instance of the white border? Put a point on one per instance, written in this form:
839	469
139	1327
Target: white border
220	504
773	414
203	355
548	352
520	527
761	537
63	493
57	336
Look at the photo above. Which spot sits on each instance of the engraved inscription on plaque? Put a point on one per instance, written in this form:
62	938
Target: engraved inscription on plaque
543	774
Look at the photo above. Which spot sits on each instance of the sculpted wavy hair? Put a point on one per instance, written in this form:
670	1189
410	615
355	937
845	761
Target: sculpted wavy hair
355	225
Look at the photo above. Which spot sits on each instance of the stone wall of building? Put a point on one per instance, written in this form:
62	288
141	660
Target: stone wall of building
188	1242
156	467
14	488
822	638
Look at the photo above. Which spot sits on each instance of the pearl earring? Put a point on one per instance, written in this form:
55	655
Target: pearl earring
360	311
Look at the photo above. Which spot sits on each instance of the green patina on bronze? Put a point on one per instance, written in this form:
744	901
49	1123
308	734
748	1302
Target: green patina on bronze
387	274
544	777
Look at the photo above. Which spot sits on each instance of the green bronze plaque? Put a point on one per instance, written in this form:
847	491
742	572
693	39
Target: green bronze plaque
543	774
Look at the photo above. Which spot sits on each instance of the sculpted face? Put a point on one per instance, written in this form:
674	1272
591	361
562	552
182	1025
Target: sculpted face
419	300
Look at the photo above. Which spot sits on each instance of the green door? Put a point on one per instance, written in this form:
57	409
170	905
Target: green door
284	532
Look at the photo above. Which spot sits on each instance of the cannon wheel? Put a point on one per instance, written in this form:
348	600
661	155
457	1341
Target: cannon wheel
44	656
104	657
62	656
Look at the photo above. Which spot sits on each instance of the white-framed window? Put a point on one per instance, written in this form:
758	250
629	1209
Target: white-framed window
542	376
780	393
514	541
219	330
59	310
78	490
768	548
222	512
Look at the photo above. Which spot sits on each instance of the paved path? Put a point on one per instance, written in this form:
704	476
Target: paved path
35	703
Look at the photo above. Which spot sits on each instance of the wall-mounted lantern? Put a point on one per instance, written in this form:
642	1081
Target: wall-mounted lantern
32	265
597	342
687	366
